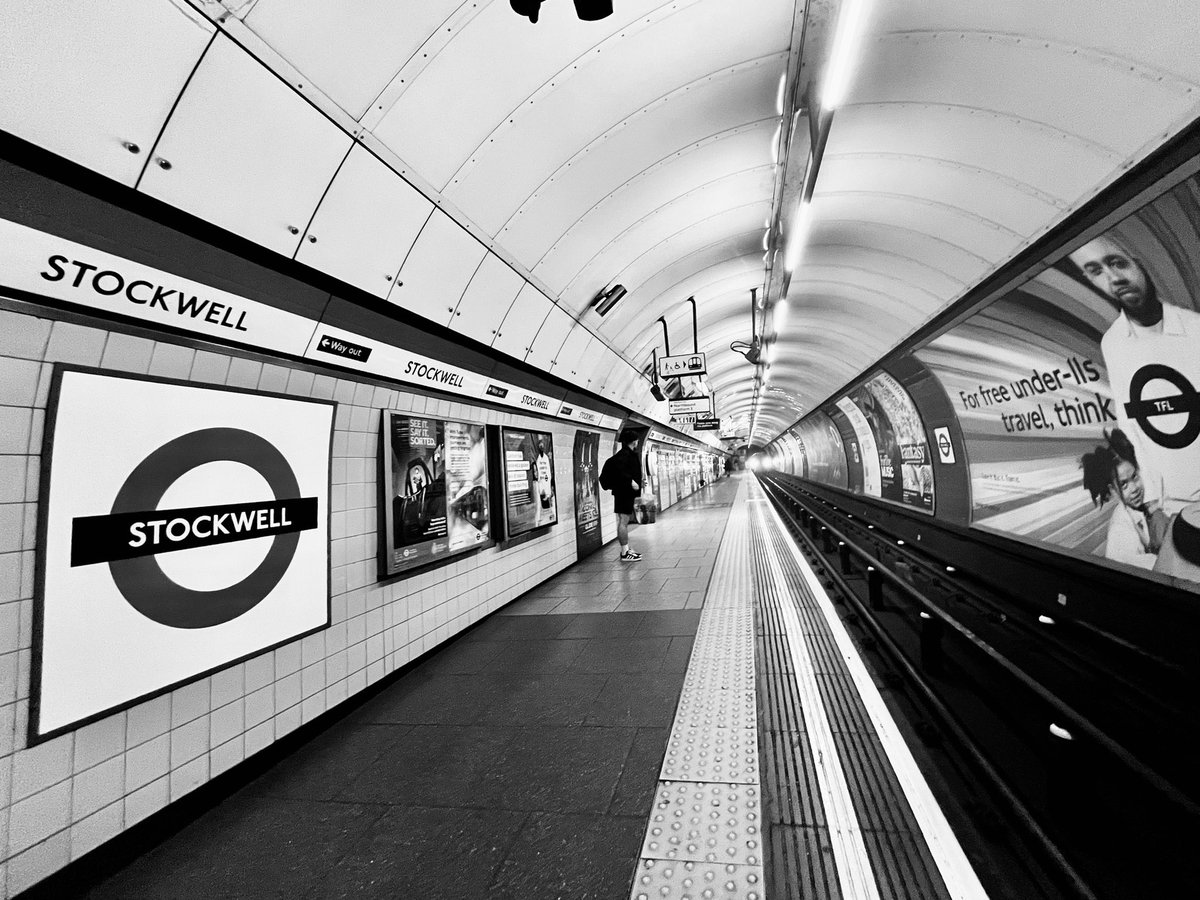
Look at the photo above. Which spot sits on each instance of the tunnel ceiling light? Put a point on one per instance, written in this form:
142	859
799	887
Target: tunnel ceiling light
775	144
779	94
798	236
846	47
779	316
771	353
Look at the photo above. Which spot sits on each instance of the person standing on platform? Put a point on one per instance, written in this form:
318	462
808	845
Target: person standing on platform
622	474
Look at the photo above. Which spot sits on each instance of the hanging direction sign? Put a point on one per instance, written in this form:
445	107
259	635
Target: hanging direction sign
698	405
678	366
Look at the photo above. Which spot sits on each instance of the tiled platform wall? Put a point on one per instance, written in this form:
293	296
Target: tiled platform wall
60	799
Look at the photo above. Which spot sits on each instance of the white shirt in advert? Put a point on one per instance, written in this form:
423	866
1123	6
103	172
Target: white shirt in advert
1160	367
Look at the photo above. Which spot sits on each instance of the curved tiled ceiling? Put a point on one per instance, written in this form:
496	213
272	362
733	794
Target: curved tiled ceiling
494	175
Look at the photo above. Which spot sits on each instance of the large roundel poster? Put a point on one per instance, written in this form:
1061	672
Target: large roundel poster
183	528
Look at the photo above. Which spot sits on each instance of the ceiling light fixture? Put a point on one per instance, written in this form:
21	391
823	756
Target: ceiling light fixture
798	236
607	299
851	19
779	315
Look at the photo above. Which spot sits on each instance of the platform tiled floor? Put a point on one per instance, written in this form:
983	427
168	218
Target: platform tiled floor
518	762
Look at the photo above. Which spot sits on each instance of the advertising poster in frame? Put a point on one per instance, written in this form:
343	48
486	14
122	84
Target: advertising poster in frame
435	478
530	499
587	493
182	528
1078	394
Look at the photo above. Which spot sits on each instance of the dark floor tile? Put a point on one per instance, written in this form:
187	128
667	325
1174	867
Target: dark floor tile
679	654
434	765
670	622
685	584
326	764
570	856
256	847
413	852
432	700
542	699
622	655
519	628
635	791
460	658
556	769
536	656
603	625
636	700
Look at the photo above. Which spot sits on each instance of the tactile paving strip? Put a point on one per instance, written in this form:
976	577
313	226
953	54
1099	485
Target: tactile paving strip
711	823
712	754
704	837
696	881
709	708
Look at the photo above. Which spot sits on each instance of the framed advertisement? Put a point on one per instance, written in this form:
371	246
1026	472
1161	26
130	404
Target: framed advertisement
182	528
435	490
587	493
530	499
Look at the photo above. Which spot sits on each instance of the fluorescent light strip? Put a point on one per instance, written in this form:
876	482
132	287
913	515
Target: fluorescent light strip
798	236
851	19
854	873
956	869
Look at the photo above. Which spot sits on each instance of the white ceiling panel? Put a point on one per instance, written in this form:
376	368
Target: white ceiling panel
380	36
366	224
459	96
245	152
571	353
549	339
438	268
710	131
612	87
522	322
93	81
486	300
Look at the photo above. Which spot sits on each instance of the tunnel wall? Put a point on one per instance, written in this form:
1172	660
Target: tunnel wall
67	795
1017	405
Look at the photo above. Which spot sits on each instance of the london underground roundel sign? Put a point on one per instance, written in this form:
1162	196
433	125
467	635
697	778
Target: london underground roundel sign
185	527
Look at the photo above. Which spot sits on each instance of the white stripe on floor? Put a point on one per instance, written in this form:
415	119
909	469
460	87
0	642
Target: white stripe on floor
957	871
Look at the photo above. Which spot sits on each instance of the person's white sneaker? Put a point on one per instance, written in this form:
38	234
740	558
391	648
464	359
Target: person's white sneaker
630	556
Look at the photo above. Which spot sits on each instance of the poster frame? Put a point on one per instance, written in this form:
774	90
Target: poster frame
385	574
33	735
502	488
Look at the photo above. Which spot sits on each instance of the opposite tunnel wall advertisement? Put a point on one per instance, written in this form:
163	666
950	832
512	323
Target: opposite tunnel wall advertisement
183	528
437	472
1077	396
530	499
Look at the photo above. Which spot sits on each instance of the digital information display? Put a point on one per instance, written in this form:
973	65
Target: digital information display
530	499
435	481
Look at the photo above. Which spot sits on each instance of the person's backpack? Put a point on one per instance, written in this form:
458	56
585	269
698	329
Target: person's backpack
608	475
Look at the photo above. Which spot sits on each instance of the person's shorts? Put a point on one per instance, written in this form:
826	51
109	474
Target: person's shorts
623	503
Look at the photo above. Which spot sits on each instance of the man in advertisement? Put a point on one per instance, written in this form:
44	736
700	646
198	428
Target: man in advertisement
1152	354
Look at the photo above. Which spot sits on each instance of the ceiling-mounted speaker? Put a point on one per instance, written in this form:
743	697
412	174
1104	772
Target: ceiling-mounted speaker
593	10
657	392
606	300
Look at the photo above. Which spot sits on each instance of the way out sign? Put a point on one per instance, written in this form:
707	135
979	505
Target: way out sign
679	366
